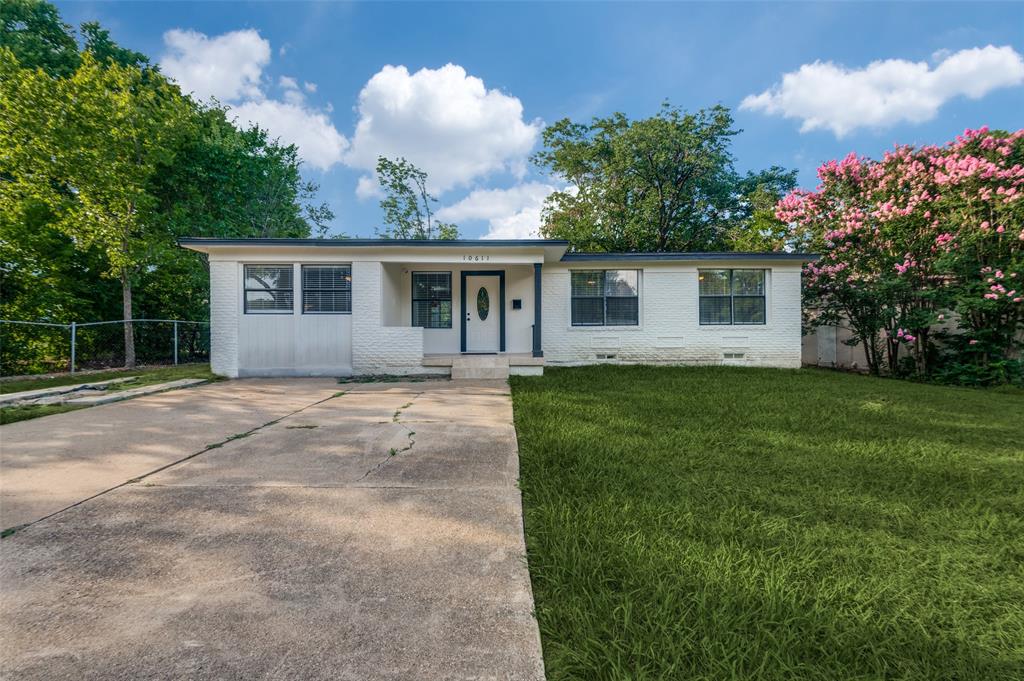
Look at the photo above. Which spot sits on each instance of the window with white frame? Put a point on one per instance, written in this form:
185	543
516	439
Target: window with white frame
732	296
432	300
269	289
326	289
605	297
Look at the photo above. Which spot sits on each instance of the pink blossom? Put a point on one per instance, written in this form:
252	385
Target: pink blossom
972	342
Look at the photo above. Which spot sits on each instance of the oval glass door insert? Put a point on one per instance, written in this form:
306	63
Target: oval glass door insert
483	303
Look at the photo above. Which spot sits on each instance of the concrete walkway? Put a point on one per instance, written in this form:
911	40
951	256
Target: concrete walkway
375	535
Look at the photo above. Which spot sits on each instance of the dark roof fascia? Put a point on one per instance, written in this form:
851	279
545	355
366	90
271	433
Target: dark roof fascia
725	255
364	243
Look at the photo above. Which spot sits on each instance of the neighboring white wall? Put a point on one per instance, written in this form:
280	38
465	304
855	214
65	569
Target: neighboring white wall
669	329
376	348
224	313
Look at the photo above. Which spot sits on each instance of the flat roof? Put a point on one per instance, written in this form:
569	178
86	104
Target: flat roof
199	243
692	255
357	243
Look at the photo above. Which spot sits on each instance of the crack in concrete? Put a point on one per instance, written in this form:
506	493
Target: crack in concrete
392	453
216	445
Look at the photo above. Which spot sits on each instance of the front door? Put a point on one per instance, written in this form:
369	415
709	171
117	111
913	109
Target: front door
482	314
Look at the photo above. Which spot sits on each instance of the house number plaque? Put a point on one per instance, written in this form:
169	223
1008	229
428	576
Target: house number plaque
475	258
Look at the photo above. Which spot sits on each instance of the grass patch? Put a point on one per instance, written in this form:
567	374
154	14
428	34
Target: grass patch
144	376
34	411
732	523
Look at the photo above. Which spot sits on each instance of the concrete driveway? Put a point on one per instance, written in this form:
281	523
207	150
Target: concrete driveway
371	535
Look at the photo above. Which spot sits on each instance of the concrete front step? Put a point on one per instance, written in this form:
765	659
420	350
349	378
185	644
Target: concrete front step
475	367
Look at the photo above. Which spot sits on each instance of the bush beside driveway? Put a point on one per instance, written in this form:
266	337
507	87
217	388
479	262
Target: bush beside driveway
727	523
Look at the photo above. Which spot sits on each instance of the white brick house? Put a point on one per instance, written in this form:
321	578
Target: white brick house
306	307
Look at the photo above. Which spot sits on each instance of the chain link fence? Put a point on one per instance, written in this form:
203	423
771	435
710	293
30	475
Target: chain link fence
42	347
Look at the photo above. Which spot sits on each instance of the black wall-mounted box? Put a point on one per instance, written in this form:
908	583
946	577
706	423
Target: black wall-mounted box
517	304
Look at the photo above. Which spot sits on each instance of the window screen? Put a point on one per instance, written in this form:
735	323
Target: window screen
605	298
269	289
732	296
432	300
327	289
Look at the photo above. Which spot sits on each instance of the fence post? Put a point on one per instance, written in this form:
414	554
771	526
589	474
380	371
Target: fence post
74	333
175	343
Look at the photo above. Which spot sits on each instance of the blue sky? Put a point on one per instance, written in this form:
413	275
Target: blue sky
316	75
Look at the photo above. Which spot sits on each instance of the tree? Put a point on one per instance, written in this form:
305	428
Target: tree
922	236
407	206
33	32
184	168
665	183
105	133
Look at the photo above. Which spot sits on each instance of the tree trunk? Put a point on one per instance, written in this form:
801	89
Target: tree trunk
129	336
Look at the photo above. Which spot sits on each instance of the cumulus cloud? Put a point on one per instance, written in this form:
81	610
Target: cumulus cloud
444	121
228	66
513	213
319	142
824	95
368	188
310	87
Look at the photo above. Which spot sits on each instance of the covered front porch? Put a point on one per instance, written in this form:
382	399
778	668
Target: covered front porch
454	308
417	309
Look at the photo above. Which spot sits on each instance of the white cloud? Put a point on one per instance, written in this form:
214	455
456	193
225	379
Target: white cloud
444	121
513	213
825	95
228	66
368	188
319	142
310	87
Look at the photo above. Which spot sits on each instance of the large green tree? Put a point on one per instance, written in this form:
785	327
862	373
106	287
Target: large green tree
664	183
103	164
408	206
108	129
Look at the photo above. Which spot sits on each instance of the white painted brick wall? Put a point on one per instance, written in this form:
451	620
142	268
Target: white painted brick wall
378	349
224	309
669	330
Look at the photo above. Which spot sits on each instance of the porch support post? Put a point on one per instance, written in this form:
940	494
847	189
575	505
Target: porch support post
537	352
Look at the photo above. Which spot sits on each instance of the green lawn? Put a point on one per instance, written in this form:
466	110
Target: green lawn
143	376
729	523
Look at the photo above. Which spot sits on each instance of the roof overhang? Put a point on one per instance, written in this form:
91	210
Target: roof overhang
695	256
541	250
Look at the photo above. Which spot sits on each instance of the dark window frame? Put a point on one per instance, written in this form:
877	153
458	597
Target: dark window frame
604	297
302	278
246	289
732	296
414	299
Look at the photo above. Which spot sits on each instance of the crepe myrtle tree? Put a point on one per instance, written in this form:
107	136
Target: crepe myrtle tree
923	237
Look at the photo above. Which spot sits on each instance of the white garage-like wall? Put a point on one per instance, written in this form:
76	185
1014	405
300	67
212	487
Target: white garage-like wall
294	344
